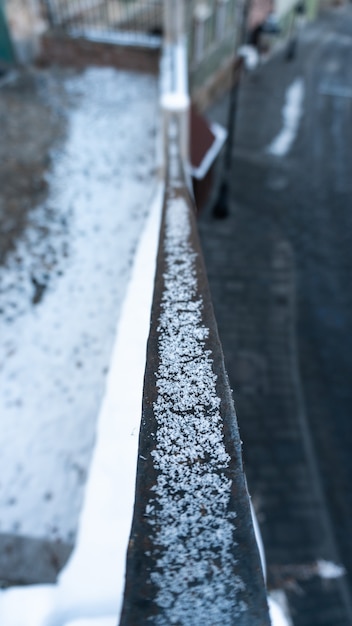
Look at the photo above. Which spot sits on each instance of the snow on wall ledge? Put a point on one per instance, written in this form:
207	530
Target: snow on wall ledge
192	557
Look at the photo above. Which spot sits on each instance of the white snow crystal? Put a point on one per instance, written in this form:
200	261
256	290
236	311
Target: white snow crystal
194	530
327	569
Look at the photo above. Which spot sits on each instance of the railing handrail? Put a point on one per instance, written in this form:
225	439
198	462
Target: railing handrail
192	557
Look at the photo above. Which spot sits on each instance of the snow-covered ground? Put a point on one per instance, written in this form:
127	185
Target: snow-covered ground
89	590
61	295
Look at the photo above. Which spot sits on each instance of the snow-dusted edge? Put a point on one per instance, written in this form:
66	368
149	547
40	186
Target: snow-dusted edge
291	114
194	532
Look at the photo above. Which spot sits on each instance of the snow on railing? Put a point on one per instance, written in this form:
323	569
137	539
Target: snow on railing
192	557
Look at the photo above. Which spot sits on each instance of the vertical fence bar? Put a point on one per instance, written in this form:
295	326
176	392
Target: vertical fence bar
202	15
133	23
175	99
221	8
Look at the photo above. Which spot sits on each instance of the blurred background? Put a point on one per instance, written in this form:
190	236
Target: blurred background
79	124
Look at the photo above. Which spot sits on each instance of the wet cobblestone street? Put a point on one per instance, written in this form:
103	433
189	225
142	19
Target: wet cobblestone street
279	269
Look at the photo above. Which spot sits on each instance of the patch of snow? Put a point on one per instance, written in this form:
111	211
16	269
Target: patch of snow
250	56
292	112
90	588
175	101
61	293
278	609
194	531
327	569
181	65
202	12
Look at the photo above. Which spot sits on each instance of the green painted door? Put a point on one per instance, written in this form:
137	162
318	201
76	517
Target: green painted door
6	49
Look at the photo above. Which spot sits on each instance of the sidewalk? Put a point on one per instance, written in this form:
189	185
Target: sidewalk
258	260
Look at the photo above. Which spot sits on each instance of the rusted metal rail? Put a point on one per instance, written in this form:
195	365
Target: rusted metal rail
192	556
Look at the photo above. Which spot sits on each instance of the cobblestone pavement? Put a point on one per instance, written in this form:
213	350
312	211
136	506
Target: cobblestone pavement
279	268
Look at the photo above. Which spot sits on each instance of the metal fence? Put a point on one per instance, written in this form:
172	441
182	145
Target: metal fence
213	35
210	23
122	21
190	484
184	496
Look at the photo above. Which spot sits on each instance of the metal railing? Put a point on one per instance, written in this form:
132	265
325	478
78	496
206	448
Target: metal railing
192	556
210	25
122	21
213	32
